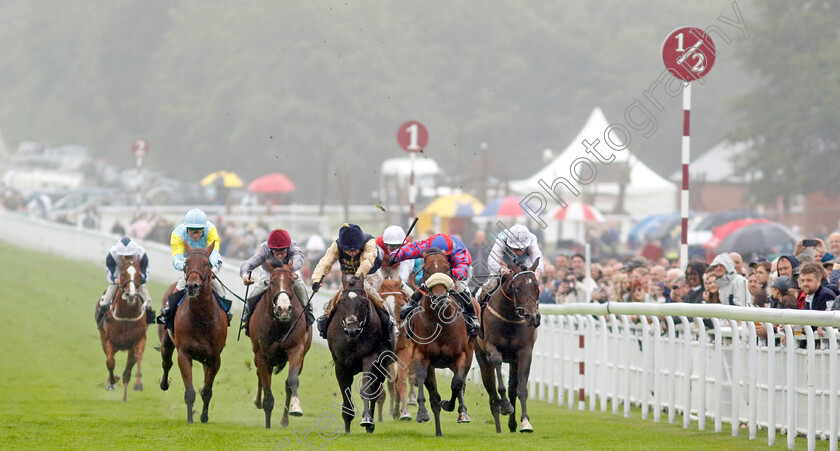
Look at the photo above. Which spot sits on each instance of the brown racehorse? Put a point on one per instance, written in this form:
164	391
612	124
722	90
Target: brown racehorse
271	321
391	293
510	320
124	328
355	340
440	341
200	331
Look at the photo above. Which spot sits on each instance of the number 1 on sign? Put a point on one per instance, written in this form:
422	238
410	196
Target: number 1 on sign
412	130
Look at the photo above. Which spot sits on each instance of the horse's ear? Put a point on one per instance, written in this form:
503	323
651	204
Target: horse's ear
187	247
210	247
535	265
512	267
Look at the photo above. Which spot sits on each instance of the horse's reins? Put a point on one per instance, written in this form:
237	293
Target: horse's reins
502	289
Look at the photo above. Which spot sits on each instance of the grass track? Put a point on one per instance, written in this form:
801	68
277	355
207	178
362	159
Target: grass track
52	394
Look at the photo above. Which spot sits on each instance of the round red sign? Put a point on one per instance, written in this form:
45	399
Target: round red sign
412	136
688	53
139	147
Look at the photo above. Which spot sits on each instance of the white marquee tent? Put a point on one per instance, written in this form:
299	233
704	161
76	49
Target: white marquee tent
647	192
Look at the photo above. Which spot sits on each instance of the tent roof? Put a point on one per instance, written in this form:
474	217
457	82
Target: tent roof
402	166
642	178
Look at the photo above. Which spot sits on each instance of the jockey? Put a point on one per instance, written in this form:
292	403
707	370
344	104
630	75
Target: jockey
198	232
515	246
125	247
459	262
391	239
278	250
357	256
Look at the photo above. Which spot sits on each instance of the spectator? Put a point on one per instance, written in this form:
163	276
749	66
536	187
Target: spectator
785	265
753	285
711	291
779	288
834	245
733	286
657	273
562	261
814	296
738	262
117	228
679	290
694	277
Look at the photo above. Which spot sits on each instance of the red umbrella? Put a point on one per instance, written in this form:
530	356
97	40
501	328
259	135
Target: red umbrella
724	230
579	212
272	183
506	206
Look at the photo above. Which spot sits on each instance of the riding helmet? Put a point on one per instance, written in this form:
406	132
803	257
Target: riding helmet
393	236
519	237
279	239
126	246
195	219
350	237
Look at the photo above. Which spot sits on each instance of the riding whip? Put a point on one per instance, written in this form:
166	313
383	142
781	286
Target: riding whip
410	228
308	306
242	317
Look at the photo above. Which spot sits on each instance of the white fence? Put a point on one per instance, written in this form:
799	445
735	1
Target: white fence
720	373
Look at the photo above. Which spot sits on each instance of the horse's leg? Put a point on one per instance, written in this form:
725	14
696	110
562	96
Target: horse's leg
210	370
126	376
392	391
380	403
185	365
295	359
139	348
264	385
110	362
434	397
488	377
420	370
166	350
402	375
524	367
412	383
345	383
370	392
513	380
457	383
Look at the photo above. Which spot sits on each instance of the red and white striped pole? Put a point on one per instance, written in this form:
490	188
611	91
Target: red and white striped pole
686	152
581	394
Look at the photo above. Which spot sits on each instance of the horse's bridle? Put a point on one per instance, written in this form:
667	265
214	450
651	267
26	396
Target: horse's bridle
513	289
200	275
363	321
282	290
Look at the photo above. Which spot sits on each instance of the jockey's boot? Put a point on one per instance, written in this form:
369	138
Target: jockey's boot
150	316
323	323
411	305
101	311
388	328
470	318
167	312
250	305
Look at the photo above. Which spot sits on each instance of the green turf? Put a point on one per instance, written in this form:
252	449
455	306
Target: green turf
53	375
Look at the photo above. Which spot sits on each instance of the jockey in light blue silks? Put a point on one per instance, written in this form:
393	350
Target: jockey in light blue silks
198	233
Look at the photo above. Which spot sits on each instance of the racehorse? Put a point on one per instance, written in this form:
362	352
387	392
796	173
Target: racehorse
200	331
440	341
124	328
510	320
355	341
391	293
272	319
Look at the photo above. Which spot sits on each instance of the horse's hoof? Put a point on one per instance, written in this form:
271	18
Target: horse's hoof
447	406
296	413
165	385
464	418
412	399
295	409
367	422
506	408
405	417
110	387
204	417
423	417
138	387
370	428
526	426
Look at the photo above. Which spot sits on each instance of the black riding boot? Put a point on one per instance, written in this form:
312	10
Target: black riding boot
412	304
167	312
250	305
470	317
101	311
387	327
150	316
323	324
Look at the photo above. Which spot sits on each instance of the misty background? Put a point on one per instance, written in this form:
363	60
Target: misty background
316	90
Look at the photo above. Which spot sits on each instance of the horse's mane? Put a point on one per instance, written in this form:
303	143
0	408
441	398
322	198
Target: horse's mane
433	251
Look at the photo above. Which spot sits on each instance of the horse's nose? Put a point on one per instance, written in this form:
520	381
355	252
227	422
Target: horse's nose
533	320
282	314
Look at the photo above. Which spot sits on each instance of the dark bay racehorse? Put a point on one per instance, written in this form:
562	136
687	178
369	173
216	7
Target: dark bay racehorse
124	328
355	341
391	293
272	319
440	341
510	320
200	331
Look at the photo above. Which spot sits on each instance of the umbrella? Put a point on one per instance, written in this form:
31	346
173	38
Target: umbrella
758	237
506	206
669	227
723	231
454	206
719	219
579	212
272	183
229	179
